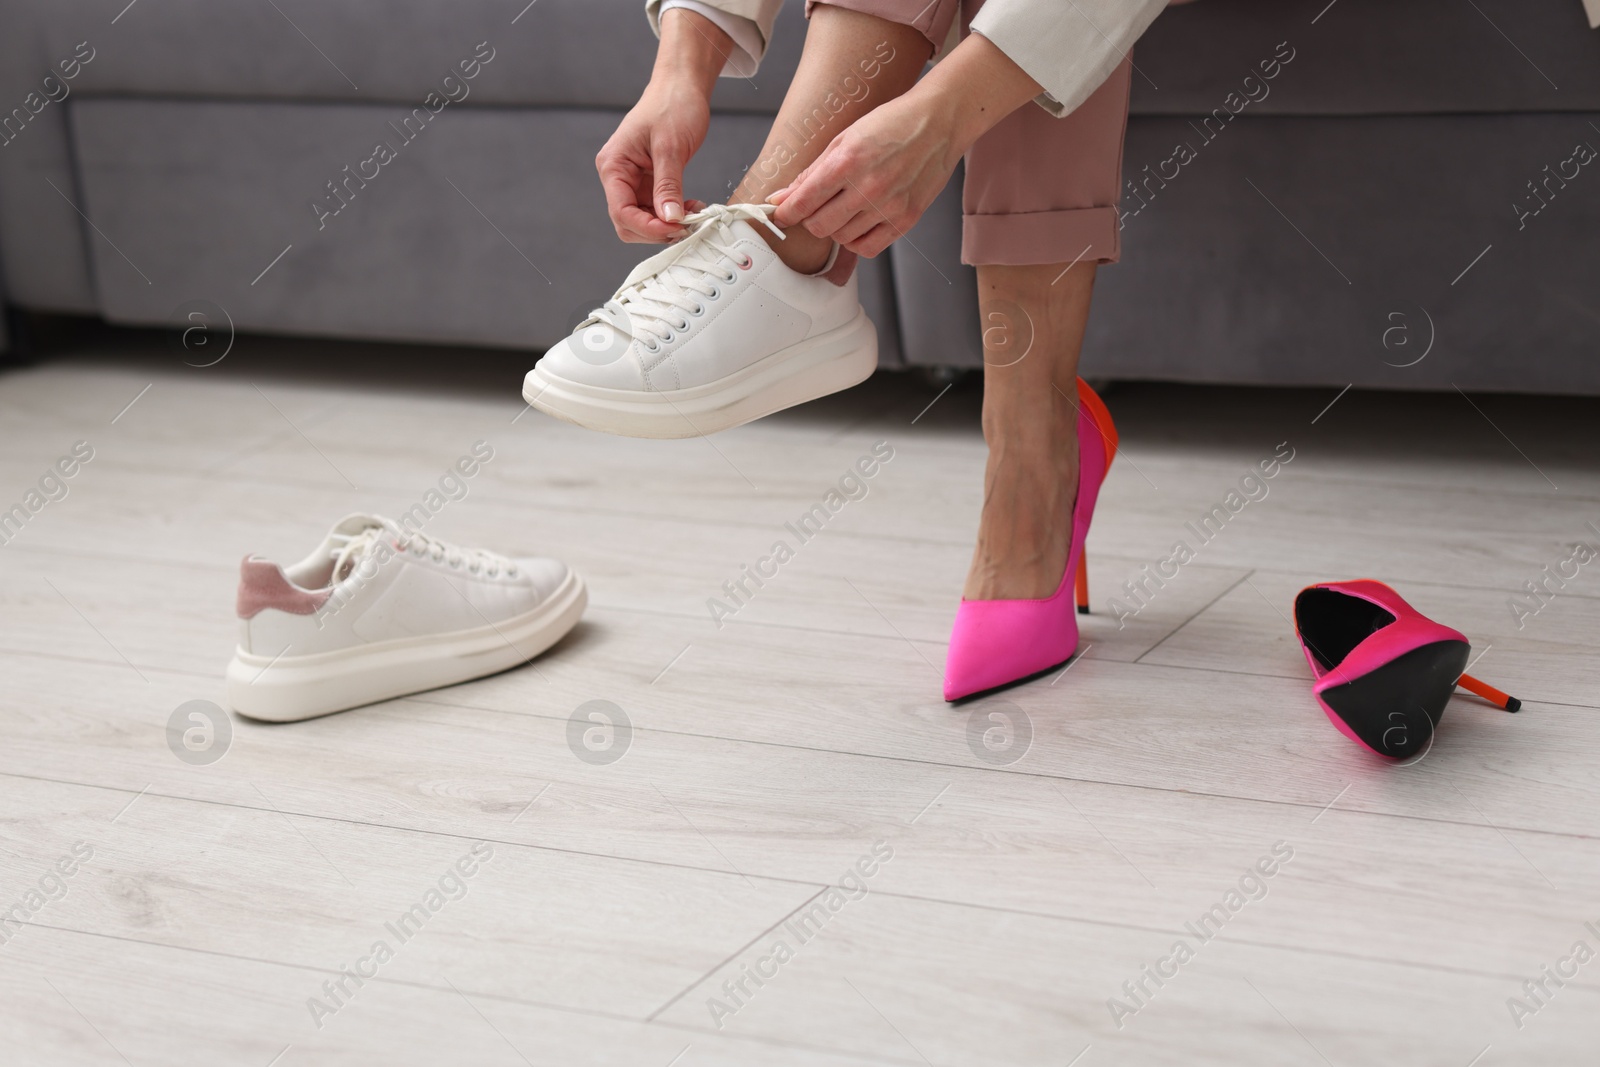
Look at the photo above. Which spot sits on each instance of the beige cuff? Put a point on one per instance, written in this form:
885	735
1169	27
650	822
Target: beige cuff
761	12
1069	49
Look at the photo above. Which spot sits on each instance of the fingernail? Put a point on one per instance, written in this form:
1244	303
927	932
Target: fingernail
672	211
777	197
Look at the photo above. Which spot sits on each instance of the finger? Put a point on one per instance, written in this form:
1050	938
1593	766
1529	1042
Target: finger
831	218
874	241
781	195
644	228
622	204
694	205
633	221
857	227
668	161
815	186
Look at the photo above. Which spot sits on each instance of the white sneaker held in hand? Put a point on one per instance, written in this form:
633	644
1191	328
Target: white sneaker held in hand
378	611
710	333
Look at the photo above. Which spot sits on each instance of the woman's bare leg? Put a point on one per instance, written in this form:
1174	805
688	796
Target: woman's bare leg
1034	319
852	63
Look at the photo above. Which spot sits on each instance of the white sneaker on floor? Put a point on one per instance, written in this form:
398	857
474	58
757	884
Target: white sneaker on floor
379	611
708	334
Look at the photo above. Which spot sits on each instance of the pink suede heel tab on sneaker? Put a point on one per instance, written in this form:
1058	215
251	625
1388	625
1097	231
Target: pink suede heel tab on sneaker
262	585
841	264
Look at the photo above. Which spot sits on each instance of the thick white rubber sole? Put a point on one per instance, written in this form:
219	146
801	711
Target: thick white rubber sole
812	368
291	688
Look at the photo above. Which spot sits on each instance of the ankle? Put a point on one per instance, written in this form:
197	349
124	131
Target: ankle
1036	421
799	250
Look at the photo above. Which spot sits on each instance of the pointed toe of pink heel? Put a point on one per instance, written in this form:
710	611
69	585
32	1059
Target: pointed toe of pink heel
996	643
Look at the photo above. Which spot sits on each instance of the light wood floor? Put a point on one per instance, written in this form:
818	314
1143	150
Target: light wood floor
1026	885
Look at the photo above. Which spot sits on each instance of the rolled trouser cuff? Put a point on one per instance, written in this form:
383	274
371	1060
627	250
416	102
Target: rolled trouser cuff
1081	235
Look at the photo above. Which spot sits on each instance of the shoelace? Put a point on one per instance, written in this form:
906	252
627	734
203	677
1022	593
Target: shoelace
656	299
350	548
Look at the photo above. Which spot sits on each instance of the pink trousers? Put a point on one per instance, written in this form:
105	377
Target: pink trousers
1039	189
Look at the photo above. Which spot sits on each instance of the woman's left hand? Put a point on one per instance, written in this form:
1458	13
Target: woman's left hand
874	181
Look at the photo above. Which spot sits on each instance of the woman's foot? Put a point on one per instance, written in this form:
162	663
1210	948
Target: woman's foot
1029	489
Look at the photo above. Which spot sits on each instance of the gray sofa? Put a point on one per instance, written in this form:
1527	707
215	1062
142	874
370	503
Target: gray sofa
1355	216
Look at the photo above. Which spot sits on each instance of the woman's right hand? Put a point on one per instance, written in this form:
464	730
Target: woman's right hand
641	166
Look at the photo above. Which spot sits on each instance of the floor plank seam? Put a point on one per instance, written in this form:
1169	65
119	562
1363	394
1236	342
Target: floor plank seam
654	1020
568	1009
419	830
1208	606
735	954
1224	797
1012	770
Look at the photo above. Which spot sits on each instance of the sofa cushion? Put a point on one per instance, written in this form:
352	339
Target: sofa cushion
565	53
1392	252
1366	57
1351	56
479	230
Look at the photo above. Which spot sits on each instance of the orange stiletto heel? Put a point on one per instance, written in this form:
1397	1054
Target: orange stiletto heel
1503	701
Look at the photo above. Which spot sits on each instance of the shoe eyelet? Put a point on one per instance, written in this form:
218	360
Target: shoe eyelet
699	309
716	293
684	325
669	338
746	262
730	277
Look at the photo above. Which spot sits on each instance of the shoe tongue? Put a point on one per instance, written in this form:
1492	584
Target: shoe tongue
353	524
350	541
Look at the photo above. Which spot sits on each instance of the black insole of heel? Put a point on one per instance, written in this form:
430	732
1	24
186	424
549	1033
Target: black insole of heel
1395	708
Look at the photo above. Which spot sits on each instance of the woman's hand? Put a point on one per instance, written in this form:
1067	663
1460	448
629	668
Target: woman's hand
874	181
641	166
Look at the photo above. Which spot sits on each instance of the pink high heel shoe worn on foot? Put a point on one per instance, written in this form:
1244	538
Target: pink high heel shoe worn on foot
997	643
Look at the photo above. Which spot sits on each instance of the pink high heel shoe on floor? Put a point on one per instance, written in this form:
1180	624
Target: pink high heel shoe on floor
1383	670
997	643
